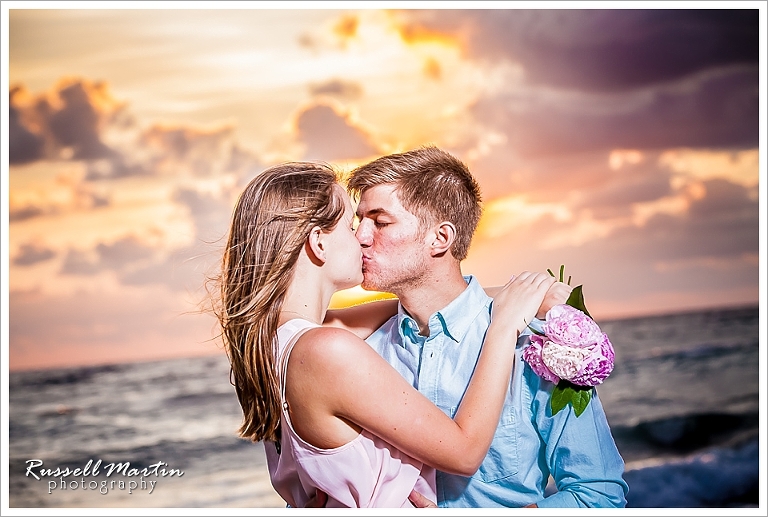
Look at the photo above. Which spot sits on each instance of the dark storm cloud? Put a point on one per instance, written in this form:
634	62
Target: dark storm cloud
331	136
718	109
598	49
30	254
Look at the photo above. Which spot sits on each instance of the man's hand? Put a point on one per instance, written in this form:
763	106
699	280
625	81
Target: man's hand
319	500
419	501
557	294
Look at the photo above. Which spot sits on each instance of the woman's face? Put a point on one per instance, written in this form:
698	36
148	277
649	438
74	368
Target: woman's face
344	256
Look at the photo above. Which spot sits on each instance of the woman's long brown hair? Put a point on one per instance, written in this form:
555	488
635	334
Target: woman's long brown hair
271	222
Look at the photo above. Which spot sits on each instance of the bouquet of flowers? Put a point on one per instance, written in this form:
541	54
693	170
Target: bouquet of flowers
572	352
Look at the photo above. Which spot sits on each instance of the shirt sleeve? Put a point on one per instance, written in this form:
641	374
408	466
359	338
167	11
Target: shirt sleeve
579	451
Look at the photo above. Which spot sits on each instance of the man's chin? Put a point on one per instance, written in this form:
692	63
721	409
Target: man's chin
369	285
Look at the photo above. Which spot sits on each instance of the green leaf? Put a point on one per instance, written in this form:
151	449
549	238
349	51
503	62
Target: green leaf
560	398
566	393
581	400
576	300
562	270
550	273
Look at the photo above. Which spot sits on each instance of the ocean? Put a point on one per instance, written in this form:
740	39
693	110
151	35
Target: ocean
682	402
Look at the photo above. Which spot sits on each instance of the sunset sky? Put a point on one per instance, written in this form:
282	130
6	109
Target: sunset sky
622	143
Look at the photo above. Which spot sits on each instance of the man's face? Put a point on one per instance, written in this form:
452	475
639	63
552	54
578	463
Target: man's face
395	250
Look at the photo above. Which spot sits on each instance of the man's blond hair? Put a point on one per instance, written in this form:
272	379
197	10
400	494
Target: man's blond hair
431	184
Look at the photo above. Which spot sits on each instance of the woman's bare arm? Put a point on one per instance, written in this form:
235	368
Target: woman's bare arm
331	371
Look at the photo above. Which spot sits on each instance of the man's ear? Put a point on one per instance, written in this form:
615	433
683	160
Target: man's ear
444	235
316	246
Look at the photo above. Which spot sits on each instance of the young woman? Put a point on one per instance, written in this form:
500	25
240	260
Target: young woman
332	414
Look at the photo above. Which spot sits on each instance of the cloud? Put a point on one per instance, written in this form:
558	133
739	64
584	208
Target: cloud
30	254
66	121
182	269
22	213
600	50
715	109
115	168
76	123
73	120
183	141
116	256
703	256
210	213
330	135
67	193
338	88
634	184
24	146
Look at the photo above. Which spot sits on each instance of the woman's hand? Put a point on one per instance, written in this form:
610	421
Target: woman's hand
419	501
521	298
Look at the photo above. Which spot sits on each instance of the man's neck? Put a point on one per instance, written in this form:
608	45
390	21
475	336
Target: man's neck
430	296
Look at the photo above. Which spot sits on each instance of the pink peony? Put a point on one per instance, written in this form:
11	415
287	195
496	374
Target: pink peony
532	356
573	349
570	327
564	361
598	366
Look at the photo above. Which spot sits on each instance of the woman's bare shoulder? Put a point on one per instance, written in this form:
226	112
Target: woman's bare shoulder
333	348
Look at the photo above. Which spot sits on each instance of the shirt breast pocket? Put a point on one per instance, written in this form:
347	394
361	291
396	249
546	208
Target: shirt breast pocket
502	458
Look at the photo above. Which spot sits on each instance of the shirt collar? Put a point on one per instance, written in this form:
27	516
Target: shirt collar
454	319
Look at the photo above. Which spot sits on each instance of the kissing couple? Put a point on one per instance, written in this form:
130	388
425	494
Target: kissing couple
419	401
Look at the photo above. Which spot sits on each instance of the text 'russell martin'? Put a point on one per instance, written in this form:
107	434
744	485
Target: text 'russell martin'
92	470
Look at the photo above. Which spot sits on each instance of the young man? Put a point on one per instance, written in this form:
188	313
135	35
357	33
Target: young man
418	211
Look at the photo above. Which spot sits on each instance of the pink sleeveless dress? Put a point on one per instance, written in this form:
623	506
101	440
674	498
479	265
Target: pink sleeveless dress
364	473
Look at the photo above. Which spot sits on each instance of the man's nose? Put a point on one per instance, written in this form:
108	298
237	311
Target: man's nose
363	234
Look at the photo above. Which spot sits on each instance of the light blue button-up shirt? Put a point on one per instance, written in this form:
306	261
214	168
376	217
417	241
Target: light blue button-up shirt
530	443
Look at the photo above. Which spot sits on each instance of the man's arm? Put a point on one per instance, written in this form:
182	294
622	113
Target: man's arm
362	320
581	455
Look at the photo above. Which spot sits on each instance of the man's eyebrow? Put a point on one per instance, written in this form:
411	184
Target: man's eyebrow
372	212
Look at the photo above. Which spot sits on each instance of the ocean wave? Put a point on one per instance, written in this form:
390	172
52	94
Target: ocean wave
718	477
63	376
702	351
685	433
